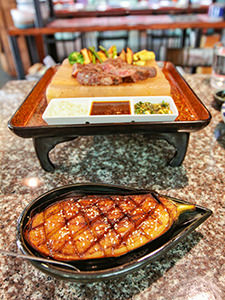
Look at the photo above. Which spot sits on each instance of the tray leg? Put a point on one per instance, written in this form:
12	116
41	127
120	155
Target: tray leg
180	141
43	145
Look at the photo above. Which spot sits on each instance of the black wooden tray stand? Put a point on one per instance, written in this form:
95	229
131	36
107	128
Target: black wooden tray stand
43	145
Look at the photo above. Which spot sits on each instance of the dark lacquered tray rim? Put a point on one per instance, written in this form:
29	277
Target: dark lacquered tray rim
174	126
90	276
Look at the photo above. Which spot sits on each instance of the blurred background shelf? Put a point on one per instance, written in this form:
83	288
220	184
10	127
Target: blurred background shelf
60	28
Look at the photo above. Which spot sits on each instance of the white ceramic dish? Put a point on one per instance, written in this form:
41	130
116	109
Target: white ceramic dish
63	111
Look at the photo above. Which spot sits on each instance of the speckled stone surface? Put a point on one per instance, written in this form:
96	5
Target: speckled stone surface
193	270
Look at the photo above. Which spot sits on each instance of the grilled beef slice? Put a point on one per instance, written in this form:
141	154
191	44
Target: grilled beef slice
111	72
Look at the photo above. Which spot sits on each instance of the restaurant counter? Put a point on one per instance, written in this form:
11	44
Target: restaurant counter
193	269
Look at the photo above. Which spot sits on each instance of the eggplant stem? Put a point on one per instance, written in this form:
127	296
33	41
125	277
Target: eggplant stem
181	208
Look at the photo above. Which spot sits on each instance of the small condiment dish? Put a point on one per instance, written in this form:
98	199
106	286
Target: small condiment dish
219	97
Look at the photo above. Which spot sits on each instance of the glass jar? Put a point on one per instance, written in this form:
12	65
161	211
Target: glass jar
218	66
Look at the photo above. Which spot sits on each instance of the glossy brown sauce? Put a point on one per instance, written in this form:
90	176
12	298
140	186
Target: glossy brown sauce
110	108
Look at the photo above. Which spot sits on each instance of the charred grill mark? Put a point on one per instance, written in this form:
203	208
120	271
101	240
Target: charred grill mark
97	240
155	197
46	241
71	239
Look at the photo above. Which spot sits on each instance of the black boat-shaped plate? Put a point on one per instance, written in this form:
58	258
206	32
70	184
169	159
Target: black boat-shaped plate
108	268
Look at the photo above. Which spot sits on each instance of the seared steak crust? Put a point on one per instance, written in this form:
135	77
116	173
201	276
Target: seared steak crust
111	72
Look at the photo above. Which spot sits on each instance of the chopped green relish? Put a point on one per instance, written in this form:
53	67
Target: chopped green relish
148	108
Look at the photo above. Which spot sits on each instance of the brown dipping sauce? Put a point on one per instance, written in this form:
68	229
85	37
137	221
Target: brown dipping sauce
110	108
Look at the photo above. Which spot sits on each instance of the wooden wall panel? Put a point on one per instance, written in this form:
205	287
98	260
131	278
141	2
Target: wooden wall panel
6	57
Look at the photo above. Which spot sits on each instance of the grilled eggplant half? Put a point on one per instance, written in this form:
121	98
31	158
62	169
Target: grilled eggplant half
100	226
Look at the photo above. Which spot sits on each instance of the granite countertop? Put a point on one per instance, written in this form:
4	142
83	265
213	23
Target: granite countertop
192	270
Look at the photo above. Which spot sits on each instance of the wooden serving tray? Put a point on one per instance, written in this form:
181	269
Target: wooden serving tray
27	121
